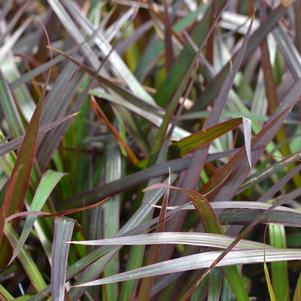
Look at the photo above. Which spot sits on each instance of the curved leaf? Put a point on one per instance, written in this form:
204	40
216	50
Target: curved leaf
201	261
48	182
62	232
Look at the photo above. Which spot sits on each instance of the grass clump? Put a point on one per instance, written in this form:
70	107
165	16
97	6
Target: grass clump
150	150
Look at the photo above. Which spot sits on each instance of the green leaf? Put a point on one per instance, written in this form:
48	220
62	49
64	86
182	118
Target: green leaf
269	282
26	260
214	285
48	182
156	46
256	38
10	110
5	294
279	269
203	137
178	73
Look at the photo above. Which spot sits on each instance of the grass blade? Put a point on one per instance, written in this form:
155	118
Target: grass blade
182	64
111	213
215	285
258	142
147	284
19	181
197	239
5	295
48	182
248	139
269	282
280	269
99	263
214	85
117	186
256	38
200	261
100	114
203	137
62	233
10	109
118	66
211	223
273	102
26	260
15	143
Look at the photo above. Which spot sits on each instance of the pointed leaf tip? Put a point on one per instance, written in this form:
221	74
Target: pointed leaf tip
248	138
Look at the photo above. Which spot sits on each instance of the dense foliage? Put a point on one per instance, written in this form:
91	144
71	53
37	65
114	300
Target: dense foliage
150	150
